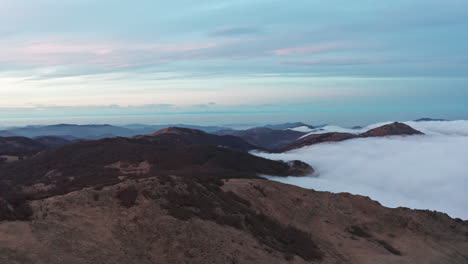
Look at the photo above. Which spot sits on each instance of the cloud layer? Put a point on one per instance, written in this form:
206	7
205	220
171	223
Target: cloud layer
423	172
107	52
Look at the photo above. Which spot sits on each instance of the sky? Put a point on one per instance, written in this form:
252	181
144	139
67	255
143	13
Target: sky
336	61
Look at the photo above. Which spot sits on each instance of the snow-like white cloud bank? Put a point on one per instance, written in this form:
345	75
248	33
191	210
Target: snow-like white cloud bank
422	172
304	129
457	127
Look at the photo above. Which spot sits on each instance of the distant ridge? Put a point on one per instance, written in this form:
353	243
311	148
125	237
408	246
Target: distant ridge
265	138
73	131
174	136
78	131
393	129
429	120
5	133
19	146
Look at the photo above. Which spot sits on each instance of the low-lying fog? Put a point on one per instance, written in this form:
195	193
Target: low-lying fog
423	172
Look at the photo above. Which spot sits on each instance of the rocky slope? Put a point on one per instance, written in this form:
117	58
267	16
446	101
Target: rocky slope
178	220
394	129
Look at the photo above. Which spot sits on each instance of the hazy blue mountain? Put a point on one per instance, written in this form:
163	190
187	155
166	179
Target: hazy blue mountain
6	133
78	131
429	119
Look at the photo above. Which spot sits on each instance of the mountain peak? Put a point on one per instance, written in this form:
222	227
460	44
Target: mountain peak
393	129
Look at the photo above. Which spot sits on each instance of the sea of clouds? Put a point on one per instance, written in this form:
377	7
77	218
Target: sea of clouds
422	172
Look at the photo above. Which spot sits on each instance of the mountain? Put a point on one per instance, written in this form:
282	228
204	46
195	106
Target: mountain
140	129
184	136
6	133
169	198
265	138
19	146
429	119
23	147
105	131
393	129
108	161
287	126
319	138
78	131
53	141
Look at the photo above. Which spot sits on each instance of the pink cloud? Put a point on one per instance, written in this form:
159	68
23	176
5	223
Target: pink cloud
110	55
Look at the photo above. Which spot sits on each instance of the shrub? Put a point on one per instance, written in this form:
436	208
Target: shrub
128	196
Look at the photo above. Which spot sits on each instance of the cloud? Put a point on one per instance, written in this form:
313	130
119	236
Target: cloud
110	55
423	172
342	62
315	48
448	128
235	31
232	40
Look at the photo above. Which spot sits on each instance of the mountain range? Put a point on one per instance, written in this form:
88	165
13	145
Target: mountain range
185	196
260	138
182	195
